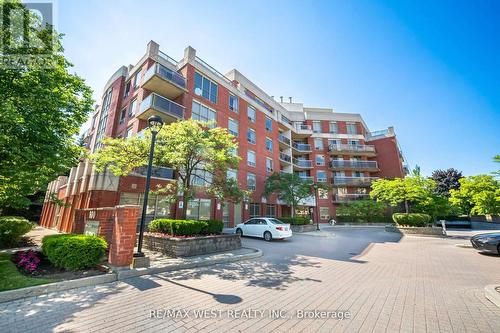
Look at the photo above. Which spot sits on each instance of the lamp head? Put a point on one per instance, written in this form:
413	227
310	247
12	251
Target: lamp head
155	123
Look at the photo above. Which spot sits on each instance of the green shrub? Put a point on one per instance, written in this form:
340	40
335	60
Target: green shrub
12	228
297	220
361	211
74	252
186	227
411	219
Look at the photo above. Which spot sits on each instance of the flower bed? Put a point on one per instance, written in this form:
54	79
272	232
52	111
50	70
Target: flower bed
185	246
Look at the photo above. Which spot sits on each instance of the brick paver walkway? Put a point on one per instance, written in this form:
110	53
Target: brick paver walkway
416	285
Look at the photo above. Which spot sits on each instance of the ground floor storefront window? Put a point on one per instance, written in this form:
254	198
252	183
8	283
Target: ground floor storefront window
324	213
270	210
199	209
225	214
157	206
254	209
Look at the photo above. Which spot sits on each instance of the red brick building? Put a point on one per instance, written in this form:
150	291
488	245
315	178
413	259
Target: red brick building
315	143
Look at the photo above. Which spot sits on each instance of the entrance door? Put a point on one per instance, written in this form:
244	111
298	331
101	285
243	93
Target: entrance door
237	214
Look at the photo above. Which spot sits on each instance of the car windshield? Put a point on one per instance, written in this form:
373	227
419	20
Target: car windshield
275	221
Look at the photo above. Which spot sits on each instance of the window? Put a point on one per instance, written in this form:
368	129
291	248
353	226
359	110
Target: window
251	181
201	177
269	124
269	165
322	193
202	113
103	118
254	209
232	174
133	106
324	213
127	89
318	143
358	174
251	158
233	151
316	126
233	103
270	210
205	87
320	160
137	79
233	127
321	176
353	142
332	142
251	136
269	144
198	209
251	114
225	214
351	128
128	134
123	114
333	127
157	205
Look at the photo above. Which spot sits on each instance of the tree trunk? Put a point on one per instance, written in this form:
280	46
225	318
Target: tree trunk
407	208
292	213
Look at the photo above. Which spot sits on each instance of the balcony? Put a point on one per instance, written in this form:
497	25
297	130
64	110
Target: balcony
156	172
366	150
304	177
155	104
161	80
353	181
302	130
339	198
302	164
354	165
285	158
283	140
302	147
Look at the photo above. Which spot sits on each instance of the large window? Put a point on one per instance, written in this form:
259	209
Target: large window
270	210
269	124
233	103
128	133
123	114
324	213
203	113
322	193
198	209
232	174
269	165
269	144
318	143
334	128
225	214
251	158
137	79
317	126
352	128
133	106
321	176
103	118
251	136
254	209
233	127
201	177
251	181
251	114
320	160
158	205
205	87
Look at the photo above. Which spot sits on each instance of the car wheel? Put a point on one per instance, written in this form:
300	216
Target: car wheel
239	232
267	236
498	249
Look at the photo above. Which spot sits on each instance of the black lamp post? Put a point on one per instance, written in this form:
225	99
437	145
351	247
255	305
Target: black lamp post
155	124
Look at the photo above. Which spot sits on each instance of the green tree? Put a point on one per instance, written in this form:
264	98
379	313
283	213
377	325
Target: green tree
289	187
409	191
477	195
362	210
42	109
446	180
497	160
198	154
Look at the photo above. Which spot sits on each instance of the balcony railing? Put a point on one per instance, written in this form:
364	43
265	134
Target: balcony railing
302	146
303	127
157	172
162	104
283	139
303	163
355	181
350	197
307	178
352	148
339	164
286	120
166	74
285	157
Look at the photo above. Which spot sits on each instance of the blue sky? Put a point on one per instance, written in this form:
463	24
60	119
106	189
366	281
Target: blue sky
431	69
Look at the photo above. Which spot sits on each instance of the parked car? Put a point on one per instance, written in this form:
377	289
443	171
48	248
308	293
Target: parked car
489	242
264	227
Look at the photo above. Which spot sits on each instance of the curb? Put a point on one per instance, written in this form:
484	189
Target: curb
129	273
11	295
492	293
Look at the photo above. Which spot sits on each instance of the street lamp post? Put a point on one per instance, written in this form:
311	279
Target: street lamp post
155	124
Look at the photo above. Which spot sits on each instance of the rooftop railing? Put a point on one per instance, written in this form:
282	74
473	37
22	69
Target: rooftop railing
214	71
168	58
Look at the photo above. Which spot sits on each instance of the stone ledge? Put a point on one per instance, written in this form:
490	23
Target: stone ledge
492	293
303	227
418	231
11	295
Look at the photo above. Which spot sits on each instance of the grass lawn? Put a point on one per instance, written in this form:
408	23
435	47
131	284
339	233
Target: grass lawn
11	278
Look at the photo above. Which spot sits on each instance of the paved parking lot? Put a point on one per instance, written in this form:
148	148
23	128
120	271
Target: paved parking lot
383	283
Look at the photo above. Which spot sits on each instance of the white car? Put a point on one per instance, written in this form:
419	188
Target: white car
264	227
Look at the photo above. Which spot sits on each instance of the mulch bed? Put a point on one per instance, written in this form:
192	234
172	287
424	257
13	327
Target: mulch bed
24	242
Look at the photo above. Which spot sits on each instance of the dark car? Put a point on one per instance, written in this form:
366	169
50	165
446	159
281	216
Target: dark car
487	242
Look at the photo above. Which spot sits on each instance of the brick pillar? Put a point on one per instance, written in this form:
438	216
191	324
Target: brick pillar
121	248
79	225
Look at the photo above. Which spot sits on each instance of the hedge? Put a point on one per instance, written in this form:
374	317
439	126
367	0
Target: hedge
411	219
74	252
12	228
186	227
453	218
295	220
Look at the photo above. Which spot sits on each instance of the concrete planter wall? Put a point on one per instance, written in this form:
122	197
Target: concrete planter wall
426	231
185	247
484	225
303	228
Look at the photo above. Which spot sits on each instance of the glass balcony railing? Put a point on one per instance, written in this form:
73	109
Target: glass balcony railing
305	177
355	181
301	146
162	104
352	148
283	139
302	163
166	74
350	197
354	164
285	157
157	172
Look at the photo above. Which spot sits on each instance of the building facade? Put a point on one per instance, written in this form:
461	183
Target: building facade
315	143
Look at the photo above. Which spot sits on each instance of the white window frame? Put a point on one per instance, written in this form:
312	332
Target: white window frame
250	163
